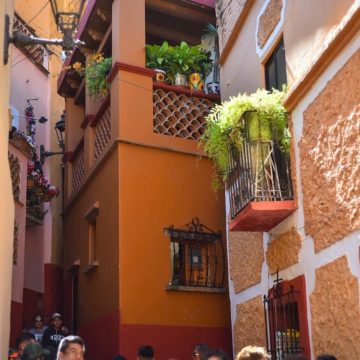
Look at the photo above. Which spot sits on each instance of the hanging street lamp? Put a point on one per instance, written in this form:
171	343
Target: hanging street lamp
67	15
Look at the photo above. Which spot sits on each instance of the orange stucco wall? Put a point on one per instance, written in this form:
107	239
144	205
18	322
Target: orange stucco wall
159	188
98	294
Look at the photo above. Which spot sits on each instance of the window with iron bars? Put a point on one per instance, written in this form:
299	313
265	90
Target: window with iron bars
285	319
196	256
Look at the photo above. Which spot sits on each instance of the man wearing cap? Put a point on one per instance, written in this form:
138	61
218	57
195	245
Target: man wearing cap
34	351
54	334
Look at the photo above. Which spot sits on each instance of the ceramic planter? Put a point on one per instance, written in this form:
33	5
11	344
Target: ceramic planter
196	82
213	88
180	80
160	75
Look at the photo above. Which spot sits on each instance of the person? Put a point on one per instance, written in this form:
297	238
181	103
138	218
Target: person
38	328
21	341
200	351
54	334
119	357
71	347
145	352
252	353
34	351
326	357
295	357
216	354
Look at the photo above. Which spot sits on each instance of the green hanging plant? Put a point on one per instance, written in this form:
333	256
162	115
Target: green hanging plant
96	70
225	126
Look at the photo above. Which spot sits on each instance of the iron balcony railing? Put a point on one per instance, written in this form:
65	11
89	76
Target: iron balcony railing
258	171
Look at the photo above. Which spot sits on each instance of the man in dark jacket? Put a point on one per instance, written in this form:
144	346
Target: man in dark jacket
54	334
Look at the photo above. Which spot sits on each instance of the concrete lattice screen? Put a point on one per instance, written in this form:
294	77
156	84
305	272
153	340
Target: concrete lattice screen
102	132
179	115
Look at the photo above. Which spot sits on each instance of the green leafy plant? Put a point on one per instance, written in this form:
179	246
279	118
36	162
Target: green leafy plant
157	57
96	71
225	126
200	61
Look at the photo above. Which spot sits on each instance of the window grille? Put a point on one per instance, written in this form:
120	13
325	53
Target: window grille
196	255
281	310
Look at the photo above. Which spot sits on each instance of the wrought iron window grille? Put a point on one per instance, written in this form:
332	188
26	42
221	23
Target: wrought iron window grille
282	321
258	170
197	256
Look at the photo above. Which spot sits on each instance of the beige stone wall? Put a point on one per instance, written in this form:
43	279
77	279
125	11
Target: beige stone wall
249	327
246	254
227	12
283	251
303	44
7	203
335	311
268	21
330	169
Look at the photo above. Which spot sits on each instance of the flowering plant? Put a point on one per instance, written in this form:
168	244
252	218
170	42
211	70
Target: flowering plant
95	72
41	181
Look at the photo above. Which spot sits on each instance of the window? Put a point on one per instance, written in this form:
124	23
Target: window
91	218
286	321
197	256
275	68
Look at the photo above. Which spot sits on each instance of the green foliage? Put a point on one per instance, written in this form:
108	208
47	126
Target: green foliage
225	125
179	59
157	57
96	71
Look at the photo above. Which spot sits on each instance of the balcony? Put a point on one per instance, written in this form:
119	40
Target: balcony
259	184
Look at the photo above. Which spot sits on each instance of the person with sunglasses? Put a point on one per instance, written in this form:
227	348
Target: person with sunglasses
38	328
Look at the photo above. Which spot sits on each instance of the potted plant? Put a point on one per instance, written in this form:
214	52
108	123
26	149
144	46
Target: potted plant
212	36
50	192
157	58
264	115
179	64
201	65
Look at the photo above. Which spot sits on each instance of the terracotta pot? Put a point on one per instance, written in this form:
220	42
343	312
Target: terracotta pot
196	82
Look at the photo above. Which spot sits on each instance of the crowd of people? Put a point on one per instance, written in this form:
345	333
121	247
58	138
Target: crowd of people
53	342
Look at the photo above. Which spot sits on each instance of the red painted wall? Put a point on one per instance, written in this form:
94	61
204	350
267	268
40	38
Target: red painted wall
52	289
32	304
16	321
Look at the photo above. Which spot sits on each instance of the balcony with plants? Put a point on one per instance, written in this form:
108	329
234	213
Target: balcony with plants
248	139
183	60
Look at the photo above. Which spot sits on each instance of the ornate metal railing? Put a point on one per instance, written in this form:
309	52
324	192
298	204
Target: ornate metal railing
78	165
197	256
258	171
180	112
282	322
102	128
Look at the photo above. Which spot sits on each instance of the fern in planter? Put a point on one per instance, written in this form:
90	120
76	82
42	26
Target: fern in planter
225	126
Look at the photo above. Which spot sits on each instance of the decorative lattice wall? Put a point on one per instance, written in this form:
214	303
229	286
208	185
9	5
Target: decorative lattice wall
102	133
14	163
78	170
180	115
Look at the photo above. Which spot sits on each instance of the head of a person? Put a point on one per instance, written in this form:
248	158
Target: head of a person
326	357
216	354
22	340
34	351
200	351
119	357
145	352
71	348
56	320
253	353
38	321
295	357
